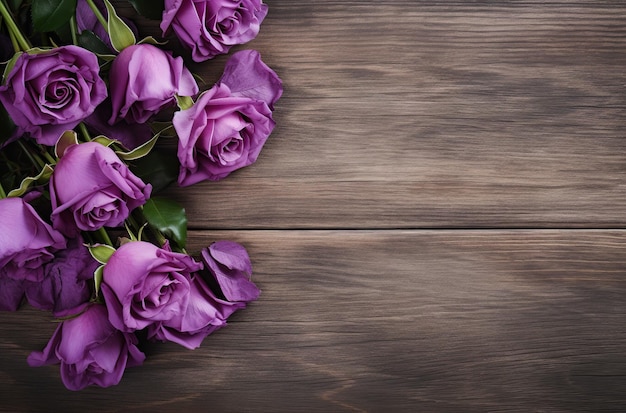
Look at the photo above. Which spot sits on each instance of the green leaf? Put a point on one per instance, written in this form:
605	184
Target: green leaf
97	278
39	50
101	252
160	168
10	65
184	102
121	35
67	139
140	151
152	9
88	40
167	216
103	140
41	178
131	234
151	40
49	15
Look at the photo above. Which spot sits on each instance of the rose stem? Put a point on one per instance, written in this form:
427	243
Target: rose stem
14	42
49	157
46	154
132	225
34	158
23	43
158	235
84	131
74	30
99	15
104	236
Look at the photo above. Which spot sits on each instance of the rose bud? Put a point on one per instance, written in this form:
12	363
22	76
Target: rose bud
90	350
144	80
91	188
47	93
211	27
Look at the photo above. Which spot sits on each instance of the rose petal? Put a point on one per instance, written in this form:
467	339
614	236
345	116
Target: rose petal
247	75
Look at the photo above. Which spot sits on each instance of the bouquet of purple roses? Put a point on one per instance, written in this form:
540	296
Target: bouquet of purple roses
83	233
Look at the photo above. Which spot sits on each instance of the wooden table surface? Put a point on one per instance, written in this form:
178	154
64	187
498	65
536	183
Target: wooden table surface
437	224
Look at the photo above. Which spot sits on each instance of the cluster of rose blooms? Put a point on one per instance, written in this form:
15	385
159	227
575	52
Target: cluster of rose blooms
77	237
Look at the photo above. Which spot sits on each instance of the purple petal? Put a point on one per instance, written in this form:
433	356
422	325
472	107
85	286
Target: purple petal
11	293
48	355
230	265
131	135
247	75
232	255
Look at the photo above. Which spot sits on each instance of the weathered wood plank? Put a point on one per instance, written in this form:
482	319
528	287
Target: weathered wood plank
410	114
382	321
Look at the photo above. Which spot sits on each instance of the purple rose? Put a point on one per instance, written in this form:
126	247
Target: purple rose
228	125
143	284
230	265
27	243
66	282
154	288
90	350
211	27
49	92
203	314
219	134
91	188
144	80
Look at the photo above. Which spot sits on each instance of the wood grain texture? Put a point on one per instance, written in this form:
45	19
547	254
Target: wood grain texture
382	321
412	114
437	222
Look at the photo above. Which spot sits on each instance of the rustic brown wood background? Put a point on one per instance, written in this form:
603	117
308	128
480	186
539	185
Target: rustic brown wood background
438	222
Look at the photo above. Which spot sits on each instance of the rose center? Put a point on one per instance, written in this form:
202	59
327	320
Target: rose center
99	209
161	295
60	94
228	25
231	149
